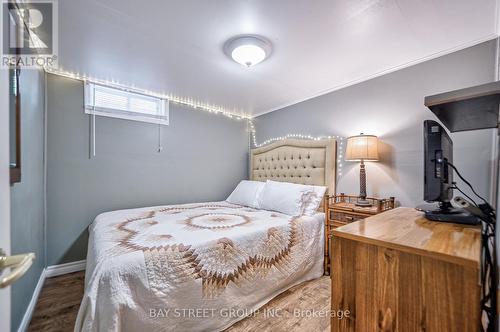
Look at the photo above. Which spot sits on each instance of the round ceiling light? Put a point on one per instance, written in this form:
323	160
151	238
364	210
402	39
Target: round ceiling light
248	50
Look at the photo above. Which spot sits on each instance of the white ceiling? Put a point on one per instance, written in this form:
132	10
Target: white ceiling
175	46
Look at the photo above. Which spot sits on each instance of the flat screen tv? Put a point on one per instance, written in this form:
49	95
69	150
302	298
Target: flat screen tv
438	177
438	151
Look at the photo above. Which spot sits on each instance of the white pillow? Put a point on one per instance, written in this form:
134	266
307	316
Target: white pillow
314	200
290	198
246	193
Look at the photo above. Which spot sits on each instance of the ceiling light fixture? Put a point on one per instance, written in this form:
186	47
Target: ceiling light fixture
248	50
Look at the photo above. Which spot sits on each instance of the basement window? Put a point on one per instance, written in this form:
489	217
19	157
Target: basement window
125	104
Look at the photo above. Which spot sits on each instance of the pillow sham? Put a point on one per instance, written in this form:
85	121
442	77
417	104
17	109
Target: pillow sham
313	200
246	193
291	198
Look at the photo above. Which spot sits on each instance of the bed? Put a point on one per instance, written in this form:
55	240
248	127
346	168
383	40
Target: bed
205	266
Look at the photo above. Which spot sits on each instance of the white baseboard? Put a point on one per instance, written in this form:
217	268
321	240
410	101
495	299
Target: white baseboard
57	270
31	306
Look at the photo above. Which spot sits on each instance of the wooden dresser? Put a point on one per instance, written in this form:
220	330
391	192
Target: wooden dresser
397	271
342	210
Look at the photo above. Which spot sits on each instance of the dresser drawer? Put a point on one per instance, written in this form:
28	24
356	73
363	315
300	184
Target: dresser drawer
343	218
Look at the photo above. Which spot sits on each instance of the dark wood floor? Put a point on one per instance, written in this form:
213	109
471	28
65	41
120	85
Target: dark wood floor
60	299
58	303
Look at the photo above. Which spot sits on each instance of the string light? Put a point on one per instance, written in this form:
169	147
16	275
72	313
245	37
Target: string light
340	139
189	102
232	114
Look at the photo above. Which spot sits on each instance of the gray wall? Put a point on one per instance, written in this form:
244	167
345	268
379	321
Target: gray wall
27	197
391	106
204	157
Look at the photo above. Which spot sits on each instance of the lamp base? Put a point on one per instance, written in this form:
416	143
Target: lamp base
363	203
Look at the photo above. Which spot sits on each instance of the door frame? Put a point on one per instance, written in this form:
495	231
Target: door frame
5	315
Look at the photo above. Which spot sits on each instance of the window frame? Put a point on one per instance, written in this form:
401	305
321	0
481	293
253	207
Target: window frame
89	105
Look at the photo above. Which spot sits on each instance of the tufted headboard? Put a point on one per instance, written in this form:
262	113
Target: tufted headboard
297	161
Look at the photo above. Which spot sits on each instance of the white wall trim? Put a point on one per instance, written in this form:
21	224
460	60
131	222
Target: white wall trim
57	270
25	322
383	72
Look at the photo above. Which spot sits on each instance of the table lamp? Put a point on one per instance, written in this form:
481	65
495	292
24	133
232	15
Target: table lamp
361	148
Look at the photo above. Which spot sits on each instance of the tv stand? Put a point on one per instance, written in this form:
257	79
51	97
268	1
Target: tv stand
445	212
399	271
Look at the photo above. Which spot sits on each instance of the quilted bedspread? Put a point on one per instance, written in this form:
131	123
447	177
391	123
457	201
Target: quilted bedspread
193	267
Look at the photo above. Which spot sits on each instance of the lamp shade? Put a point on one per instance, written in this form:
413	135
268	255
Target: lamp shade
362	147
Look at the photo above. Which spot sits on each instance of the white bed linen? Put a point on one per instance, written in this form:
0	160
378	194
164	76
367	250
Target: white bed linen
247	193
219	259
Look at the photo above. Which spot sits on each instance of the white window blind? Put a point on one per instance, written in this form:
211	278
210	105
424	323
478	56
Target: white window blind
117	103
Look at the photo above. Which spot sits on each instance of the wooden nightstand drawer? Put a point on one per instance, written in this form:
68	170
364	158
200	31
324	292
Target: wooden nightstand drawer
343	217
336	223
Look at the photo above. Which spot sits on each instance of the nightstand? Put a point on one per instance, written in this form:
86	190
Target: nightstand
342	210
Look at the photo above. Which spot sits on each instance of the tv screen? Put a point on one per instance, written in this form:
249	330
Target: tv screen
438	151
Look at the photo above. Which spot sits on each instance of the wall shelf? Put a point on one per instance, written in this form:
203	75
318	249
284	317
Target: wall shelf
467	109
